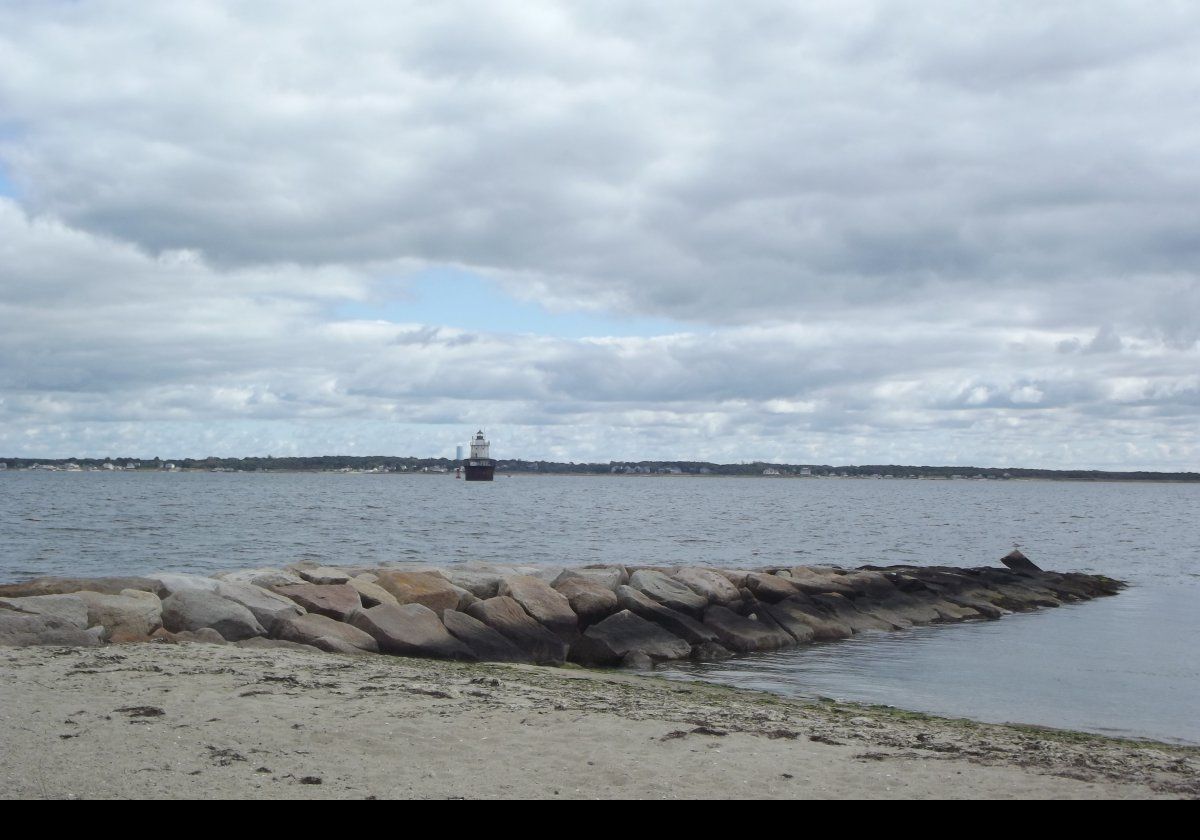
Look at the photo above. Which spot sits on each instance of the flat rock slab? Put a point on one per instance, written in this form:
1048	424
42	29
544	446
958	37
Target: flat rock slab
410	630
324	575
335	601
674	622
195	609
745	635
709	584
172	582
67	585
427	588
486	643
610	577
70	610
266	578
624	635
509	618
325	633
668	591
814	580
544	603
589	599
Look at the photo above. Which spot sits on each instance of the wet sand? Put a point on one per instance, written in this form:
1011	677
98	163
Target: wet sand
206	721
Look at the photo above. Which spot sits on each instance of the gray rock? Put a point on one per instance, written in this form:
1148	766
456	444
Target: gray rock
806	622
637	661
486	643
1018	562
509	618
58	625
70	610
619	636
544	603
123	617
335	601
410	630
324	575
203	636
666	590
745	635
481	583
172	582
675	623
268	607
610	577
65	586
590	599
815	580
845	610
708	584
266	578
195	609
326	634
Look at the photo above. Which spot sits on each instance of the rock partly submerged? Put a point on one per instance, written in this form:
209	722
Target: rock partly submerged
606	615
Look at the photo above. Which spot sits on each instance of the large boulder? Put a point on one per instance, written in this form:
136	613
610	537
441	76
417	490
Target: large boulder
860	619
1018	562
131	615
370	592
589	599
745	635
674	622
666	590
714	587
486	643
806	622
46	620
321	631
623	635
550	607
324	575
610	577
769	588
410	630
335	601
268	607
427	588
194	609
509	618
66	585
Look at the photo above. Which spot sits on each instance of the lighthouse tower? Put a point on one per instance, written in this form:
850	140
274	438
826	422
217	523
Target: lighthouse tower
479	466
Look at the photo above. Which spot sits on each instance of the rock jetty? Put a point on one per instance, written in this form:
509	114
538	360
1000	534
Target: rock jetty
592	615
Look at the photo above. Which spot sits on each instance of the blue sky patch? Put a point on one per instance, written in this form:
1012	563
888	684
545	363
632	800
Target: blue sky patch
452	297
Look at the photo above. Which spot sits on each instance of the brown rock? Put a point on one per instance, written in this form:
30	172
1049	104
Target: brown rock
427	588
334	601
371	593
668	591
770	588
715	587
65	586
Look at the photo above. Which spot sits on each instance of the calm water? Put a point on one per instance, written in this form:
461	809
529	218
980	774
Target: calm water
1126	665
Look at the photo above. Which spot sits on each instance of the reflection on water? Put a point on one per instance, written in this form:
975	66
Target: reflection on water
1126	664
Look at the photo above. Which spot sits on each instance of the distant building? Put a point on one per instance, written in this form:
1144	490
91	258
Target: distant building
805	471
771	471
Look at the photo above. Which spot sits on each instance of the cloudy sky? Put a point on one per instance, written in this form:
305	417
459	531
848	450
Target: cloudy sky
852	232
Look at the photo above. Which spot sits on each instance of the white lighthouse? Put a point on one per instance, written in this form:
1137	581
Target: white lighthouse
480	466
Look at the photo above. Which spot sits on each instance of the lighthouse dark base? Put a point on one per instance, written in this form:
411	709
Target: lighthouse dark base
479	469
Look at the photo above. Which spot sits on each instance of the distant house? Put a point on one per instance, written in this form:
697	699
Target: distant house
771	471
806	471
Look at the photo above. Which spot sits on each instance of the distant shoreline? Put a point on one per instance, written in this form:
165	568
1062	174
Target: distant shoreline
380	464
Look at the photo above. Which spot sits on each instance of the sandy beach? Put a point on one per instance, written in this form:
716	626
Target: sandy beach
208	721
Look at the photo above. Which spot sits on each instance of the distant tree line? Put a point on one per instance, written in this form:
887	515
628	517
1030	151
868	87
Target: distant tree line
392	463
